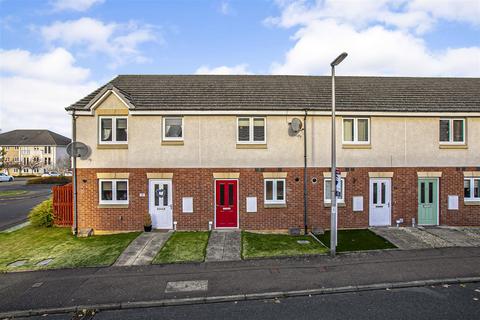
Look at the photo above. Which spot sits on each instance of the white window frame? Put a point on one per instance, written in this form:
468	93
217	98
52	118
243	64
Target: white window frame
164	131
274	191
250	131
450	131
114	130
472	191
114	191
339	200
355	130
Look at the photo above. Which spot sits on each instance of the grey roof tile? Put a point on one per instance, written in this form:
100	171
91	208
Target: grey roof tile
32	137
268	92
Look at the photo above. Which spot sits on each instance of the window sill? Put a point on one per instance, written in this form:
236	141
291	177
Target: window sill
274	205
339	204
356	146
453	146
112	205
251	146
472	202
172	143
112	146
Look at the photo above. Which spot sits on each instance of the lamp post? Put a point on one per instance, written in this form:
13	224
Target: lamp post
333	195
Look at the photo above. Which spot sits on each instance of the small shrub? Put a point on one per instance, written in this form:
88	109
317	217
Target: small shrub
147	220
42	214
50	180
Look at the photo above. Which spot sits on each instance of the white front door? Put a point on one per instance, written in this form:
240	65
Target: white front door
380	202
161	204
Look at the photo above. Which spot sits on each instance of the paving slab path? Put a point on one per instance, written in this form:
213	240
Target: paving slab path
224	246
401	238
143	249
455	236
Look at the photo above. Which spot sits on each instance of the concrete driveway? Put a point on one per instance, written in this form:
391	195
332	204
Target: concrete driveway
408	238
14	209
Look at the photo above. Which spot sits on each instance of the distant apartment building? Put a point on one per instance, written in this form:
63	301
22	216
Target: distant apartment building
34	152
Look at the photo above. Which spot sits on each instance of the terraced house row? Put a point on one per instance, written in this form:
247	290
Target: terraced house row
199	152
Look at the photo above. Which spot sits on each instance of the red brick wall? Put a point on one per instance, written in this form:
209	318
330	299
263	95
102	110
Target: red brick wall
199	184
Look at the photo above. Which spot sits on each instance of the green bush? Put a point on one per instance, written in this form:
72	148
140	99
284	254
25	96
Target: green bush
42	214
50	180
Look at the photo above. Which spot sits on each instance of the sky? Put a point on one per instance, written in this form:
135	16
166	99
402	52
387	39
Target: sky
54	52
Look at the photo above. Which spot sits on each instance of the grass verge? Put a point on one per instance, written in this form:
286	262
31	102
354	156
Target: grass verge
255	245
357	240
184	246
35	244
11	193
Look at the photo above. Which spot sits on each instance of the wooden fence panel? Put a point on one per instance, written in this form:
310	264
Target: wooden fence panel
63	205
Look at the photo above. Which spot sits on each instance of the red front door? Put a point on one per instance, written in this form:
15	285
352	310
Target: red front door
226	203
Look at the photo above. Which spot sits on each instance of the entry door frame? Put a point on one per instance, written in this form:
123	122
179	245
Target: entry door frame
370	199
151	182
437	180
215	204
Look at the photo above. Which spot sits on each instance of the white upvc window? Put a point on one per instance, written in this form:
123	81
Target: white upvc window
252	130
471	189
112	130
327	191
356	130
274	191
113	191
452	131
172	128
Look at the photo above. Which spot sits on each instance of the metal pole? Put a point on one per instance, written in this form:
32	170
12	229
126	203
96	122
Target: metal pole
305	207
333	196
74	174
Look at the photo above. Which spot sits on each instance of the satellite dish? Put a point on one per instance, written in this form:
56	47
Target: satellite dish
78	149
296	124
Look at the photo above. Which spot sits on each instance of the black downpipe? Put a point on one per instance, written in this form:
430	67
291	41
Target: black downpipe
305	206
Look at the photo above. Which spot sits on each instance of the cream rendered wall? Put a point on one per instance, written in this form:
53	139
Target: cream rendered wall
210	141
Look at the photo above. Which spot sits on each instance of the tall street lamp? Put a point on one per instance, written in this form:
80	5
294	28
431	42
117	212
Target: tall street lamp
333	177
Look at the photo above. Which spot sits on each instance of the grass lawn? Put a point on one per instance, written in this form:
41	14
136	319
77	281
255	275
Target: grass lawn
255	245
11	193
36	244
185	246
357	240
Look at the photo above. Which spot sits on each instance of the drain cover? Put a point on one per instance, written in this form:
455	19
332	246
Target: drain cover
303	241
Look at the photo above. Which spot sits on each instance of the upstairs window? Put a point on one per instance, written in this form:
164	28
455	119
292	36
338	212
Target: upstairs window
113	130
471	189
251	130
113	191
274	191
452	131
356	130
173	128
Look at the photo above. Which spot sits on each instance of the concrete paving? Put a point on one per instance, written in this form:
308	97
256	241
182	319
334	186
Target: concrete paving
401	238
224	246
143	249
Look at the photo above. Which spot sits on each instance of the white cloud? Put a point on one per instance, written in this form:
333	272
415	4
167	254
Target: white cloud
225	8
35	89
238	69
375	47
121	42
74	5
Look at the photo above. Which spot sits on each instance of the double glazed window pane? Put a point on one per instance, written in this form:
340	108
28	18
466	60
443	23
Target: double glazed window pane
458	130
106	133
362	130
121	130
122	190
173	128
258	129
243	129
476	188
348	130
280	188
471	188
107	190
328	189
269	190
467	190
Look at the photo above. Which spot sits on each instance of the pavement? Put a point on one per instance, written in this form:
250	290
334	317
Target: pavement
408	238
224	245
146	286
14	209
425	302
143	249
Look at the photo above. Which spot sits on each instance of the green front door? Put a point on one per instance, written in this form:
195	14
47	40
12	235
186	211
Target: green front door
428	202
